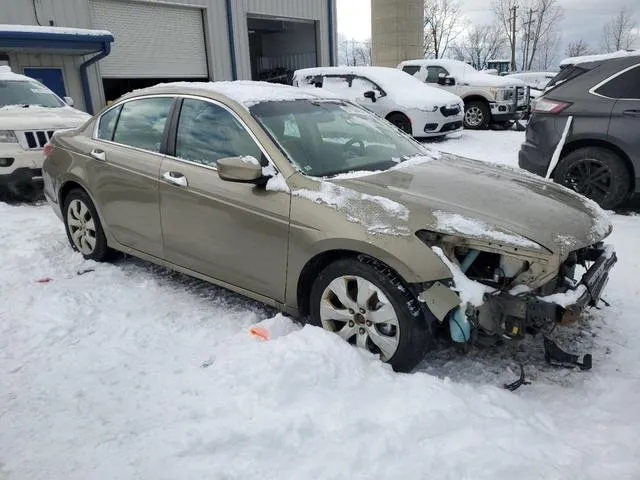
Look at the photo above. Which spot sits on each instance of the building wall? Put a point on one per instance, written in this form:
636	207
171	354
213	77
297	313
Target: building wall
396	31
75	13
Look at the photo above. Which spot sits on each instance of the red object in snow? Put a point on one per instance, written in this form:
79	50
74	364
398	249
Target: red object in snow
44	280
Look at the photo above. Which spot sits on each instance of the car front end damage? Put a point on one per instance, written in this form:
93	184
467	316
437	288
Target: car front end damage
502	291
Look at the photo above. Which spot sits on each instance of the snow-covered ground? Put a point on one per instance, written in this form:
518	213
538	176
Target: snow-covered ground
128	371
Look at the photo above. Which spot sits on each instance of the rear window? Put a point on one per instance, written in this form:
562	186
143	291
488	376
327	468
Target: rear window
410	69
625	85
566	74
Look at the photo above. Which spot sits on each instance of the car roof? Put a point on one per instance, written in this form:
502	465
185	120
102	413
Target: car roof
244	92
623	56
7	74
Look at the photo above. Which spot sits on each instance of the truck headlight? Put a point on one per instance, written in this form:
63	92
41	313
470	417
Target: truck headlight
7	136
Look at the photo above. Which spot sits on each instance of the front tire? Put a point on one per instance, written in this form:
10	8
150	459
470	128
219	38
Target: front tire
368	306
596	173
83	227
476	115
401	121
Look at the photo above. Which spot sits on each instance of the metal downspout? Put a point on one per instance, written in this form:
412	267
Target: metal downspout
232	45
106	49
332	60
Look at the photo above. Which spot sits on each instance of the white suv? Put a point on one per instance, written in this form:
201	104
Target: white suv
415	108
487	98
29	115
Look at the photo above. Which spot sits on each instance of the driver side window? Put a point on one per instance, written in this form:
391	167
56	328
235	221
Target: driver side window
433	73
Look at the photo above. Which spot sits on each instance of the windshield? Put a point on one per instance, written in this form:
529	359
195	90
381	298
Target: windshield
23	92
323	138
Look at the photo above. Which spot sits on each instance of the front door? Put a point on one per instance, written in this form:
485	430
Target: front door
234	232
50	77
124	169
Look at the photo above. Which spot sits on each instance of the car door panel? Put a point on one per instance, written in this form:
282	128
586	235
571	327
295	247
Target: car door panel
125	159
234	232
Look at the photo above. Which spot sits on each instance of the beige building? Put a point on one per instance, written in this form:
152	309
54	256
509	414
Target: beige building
396	31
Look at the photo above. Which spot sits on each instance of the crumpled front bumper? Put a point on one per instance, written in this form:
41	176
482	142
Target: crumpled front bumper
585	293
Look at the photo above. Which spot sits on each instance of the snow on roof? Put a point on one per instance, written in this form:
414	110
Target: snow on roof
405	90
463	73
54	30
249	93
599	58
7	74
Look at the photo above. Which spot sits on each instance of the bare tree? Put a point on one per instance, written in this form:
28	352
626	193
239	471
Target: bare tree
537	25
441	22
548	51
620	32
577	49
480	44
352	52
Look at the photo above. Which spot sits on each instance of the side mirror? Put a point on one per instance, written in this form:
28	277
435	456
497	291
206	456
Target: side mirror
241	170
69	101
446	80
371	95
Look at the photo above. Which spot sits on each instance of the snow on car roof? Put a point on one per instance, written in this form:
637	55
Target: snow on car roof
7	74
404	89
455	67
250	93
600	57
61	30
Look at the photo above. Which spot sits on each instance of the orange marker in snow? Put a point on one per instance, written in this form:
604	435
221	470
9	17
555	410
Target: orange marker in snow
259	332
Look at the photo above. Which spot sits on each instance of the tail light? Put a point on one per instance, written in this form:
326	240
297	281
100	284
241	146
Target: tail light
544	105
48	150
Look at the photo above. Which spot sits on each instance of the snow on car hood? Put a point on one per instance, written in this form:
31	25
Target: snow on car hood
402	89
18	117
504	200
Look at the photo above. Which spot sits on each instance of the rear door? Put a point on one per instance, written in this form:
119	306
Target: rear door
624	127
124	171
234	232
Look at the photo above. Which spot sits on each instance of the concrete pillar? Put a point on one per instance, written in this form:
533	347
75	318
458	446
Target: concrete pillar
396	31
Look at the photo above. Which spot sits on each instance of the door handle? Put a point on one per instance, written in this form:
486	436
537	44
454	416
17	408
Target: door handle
632	113
176	178
98	154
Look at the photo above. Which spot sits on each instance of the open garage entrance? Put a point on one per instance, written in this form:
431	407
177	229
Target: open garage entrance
155	43
278	47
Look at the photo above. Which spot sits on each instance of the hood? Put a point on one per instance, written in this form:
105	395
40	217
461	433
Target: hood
509	203
479	79
422	95
15	117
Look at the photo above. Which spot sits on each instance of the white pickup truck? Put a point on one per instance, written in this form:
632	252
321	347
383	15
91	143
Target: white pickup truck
487	98
30	113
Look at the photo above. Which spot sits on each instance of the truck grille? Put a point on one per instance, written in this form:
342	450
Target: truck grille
34	139
522	94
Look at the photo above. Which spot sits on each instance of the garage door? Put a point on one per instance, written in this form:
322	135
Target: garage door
151	40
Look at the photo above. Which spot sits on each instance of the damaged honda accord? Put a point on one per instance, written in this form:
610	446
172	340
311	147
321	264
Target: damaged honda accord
317	207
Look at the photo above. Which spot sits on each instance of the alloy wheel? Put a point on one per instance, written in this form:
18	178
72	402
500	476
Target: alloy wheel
473	116
591	178
81	227
358	311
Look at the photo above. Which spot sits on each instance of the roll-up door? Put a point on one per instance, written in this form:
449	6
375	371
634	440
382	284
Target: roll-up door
152	40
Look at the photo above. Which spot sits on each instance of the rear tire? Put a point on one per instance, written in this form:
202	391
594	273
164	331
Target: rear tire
401	121
476	115
83	227
368	305
596	173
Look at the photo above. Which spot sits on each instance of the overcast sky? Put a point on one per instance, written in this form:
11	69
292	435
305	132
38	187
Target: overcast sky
582	19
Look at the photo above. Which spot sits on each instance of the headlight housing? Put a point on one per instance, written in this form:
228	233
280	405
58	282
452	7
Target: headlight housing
504	94
430	108
7	136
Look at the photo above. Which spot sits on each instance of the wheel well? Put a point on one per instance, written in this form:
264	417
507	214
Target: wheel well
573	146
397	113
475	98
64	191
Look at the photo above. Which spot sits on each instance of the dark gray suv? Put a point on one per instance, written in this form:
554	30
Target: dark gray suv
596	107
